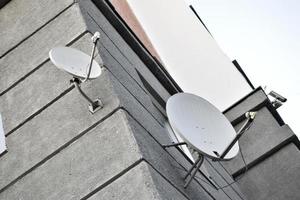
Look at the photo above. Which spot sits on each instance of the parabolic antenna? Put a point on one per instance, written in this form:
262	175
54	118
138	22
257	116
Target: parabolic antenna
201	125
74	62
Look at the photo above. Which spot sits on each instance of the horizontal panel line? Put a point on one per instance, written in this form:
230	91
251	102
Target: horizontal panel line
64	146
38	29
38	66
265	156
40	110
111	180
166	179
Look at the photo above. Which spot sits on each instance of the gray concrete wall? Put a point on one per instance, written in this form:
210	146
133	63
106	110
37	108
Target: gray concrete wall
270	152
57	149
276	178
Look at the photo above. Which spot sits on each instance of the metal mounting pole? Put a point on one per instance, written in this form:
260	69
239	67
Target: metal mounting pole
94	105
95	39
208	179
194	167
97	104
174	144
250	117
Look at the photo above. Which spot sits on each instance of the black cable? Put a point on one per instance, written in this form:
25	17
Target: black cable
244	161
241	176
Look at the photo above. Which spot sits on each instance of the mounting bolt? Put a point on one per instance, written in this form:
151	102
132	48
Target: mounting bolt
95	106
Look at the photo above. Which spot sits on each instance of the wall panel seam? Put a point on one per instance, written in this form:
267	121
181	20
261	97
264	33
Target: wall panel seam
40	110
64	146
111	180
35	31
38	66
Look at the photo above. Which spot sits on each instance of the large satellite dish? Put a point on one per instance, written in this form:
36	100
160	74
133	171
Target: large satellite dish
74	62
201	125
204	129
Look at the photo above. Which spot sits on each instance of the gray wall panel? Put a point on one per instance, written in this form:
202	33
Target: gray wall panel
264	135
21	18
54	127
120	45
246	105
34	51
277	178
141	182
44	85
165	164
78	169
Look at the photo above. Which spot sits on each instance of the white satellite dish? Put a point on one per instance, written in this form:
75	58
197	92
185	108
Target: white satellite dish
79	65
74	62
203	128
201	125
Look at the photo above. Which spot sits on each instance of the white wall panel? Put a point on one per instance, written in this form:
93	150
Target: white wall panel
189	53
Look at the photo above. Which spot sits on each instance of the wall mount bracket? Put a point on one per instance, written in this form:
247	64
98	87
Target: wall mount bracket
95	105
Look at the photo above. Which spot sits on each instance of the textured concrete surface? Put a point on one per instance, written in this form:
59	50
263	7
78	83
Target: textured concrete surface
164	163
21	18
42	87
97	22
264	135
141	182
79	168
220	182
134	90
130	60
158	133
139	112
116	61
226	177
53	127
28	55
277	178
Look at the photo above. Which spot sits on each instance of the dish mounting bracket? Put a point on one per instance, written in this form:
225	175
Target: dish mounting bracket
95	105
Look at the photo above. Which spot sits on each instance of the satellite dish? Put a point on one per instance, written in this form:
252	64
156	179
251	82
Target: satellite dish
81	66
74	62
201	125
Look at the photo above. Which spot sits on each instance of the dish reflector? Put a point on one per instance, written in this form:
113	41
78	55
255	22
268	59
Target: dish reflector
201	125
74	62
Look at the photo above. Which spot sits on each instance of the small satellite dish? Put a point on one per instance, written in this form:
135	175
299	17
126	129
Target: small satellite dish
74	62
201	125
81	66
